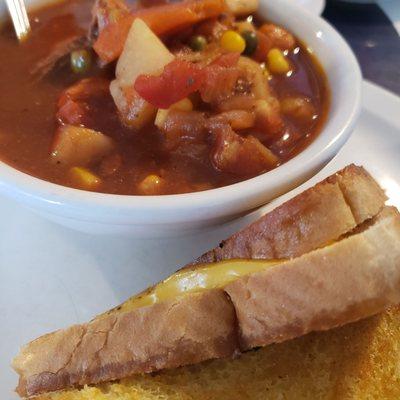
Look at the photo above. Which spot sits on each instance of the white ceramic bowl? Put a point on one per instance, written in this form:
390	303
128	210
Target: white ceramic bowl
315	6
153	216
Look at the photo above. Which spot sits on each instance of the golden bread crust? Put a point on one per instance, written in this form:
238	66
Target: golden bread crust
310	220
184	331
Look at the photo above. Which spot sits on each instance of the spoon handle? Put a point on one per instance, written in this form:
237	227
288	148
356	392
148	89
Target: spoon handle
19	18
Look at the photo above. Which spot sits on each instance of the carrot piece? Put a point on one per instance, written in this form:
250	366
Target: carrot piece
264	46
174	16
111	39
162	20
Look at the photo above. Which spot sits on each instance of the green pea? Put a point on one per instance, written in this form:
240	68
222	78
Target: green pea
81	61
251	40
198	43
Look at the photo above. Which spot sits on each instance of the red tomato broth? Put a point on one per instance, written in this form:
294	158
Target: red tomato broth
28	108
307	79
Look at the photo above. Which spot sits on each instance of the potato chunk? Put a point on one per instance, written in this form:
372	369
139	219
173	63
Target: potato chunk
143	53
74	145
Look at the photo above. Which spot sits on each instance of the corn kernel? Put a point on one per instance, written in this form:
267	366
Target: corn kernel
182	105
160	118
277	63
84	179
150	185
233	42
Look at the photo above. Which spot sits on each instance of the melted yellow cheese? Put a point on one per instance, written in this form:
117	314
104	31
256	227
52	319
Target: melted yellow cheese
210	276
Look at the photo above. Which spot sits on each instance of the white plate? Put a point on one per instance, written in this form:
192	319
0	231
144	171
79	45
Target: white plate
51	277
314	6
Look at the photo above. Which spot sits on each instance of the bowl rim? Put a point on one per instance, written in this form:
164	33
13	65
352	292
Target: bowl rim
21	184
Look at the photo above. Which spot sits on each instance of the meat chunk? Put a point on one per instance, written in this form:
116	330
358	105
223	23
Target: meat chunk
219	84
180	127
243	79
279	37
220	79
299	108
268	116
267	112
87	103
57	56
240	156
237	119
252	79
238	102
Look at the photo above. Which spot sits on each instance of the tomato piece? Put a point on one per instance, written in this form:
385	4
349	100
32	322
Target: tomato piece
178	80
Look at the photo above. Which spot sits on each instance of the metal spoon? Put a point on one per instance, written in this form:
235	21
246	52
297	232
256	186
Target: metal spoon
19	18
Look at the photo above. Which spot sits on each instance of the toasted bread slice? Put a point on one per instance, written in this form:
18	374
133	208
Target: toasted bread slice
310	220
350	279
359	361
118	343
